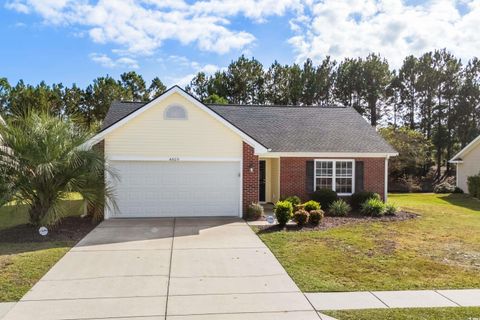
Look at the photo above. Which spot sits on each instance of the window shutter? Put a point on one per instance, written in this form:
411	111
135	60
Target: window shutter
359	186
310	176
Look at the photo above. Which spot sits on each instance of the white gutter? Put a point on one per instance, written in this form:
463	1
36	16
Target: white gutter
328	154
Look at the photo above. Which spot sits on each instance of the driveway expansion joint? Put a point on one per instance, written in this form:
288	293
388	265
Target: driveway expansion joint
379	299
170	268
447	298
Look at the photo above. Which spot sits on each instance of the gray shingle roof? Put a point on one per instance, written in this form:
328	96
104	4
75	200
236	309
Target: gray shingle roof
291	128
306	129
119	110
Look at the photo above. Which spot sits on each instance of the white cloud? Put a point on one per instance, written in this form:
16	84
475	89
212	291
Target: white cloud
108	62
208	69
140	27
351	28
339	28
18	6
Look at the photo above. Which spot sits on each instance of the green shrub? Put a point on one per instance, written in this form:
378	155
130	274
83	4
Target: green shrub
315	217
390	209
299	207
283	212
358	198
339	208
444	187
311	205
373	207
294	200
458	190
254	211
325	197
300	217
473	183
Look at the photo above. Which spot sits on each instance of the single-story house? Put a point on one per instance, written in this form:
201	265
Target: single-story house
175	156
468	163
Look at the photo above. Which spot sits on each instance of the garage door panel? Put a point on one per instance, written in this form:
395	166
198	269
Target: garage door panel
165	189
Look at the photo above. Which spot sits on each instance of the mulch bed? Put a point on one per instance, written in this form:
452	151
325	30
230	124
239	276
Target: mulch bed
332	222
69	229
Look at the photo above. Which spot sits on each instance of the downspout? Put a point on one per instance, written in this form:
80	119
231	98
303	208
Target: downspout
386	179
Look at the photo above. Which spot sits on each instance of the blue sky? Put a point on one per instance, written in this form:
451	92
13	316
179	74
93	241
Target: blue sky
75	41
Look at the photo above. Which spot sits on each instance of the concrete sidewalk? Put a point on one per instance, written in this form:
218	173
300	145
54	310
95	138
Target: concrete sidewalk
5	307
152	269
394	299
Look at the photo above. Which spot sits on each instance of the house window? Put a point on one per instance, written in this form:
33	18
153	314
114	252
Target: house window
336	175
175	112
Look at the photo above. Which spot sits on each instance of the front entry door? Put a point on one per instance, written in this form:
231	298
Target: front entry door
261	181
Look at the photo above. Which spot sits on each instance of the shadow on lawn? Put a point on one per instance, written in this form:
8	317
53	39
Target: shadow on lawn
463	200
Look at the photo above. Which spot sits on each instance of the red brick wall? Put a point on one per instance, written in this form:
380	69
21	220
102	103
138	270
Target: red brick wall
374	175
293	176
250	179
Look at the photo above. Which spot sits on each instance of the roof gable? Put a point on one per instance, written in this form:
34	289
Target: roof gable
117	117
472	145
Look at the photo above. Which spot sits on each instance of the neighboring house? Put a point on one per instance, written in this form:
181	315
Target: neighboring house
468	163
176	156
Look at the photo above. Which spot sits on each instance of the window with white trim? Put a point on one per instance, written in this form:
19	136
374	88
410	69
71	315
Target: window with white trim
175	112
337	175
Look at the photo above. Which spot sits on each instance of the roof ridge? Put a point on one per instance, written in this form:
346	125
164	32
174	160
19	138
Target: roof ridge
123	101
277	106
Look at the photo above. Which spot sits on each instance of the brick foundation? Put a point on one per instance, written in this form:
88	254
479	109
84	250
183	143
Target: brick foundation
250	179
293	176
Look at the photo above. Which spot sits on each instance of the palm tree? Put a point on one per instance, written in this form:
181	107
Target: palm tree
43	160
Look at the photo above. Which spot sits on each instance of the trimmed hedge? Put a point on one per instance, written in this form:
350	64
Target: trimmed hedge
473	183
311	205
300	217
315	217
283	212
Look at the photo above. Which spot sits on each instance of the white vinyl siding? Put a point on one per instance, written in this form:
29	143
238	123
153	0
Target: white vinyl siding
337	175
470	166
151	135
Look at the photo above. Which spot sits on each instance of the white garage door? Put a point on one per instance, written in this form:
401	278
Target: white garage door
177	189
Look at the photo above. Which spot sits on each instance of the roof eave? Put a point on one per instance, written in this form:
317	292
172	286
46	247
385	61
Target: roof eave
275	154
465	150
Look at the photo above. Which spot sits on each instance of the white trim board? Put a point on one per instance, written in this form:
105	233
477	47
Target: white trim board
465	150
327	155
259	148
171	159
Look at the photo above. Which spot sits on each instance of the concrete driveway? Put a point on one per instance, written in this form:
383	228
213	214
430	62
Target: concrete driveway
149	269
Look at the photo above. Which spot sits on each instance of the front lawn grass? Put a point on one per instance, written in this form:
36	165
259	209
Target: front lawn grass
23	264
454	313
439	249
23	261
